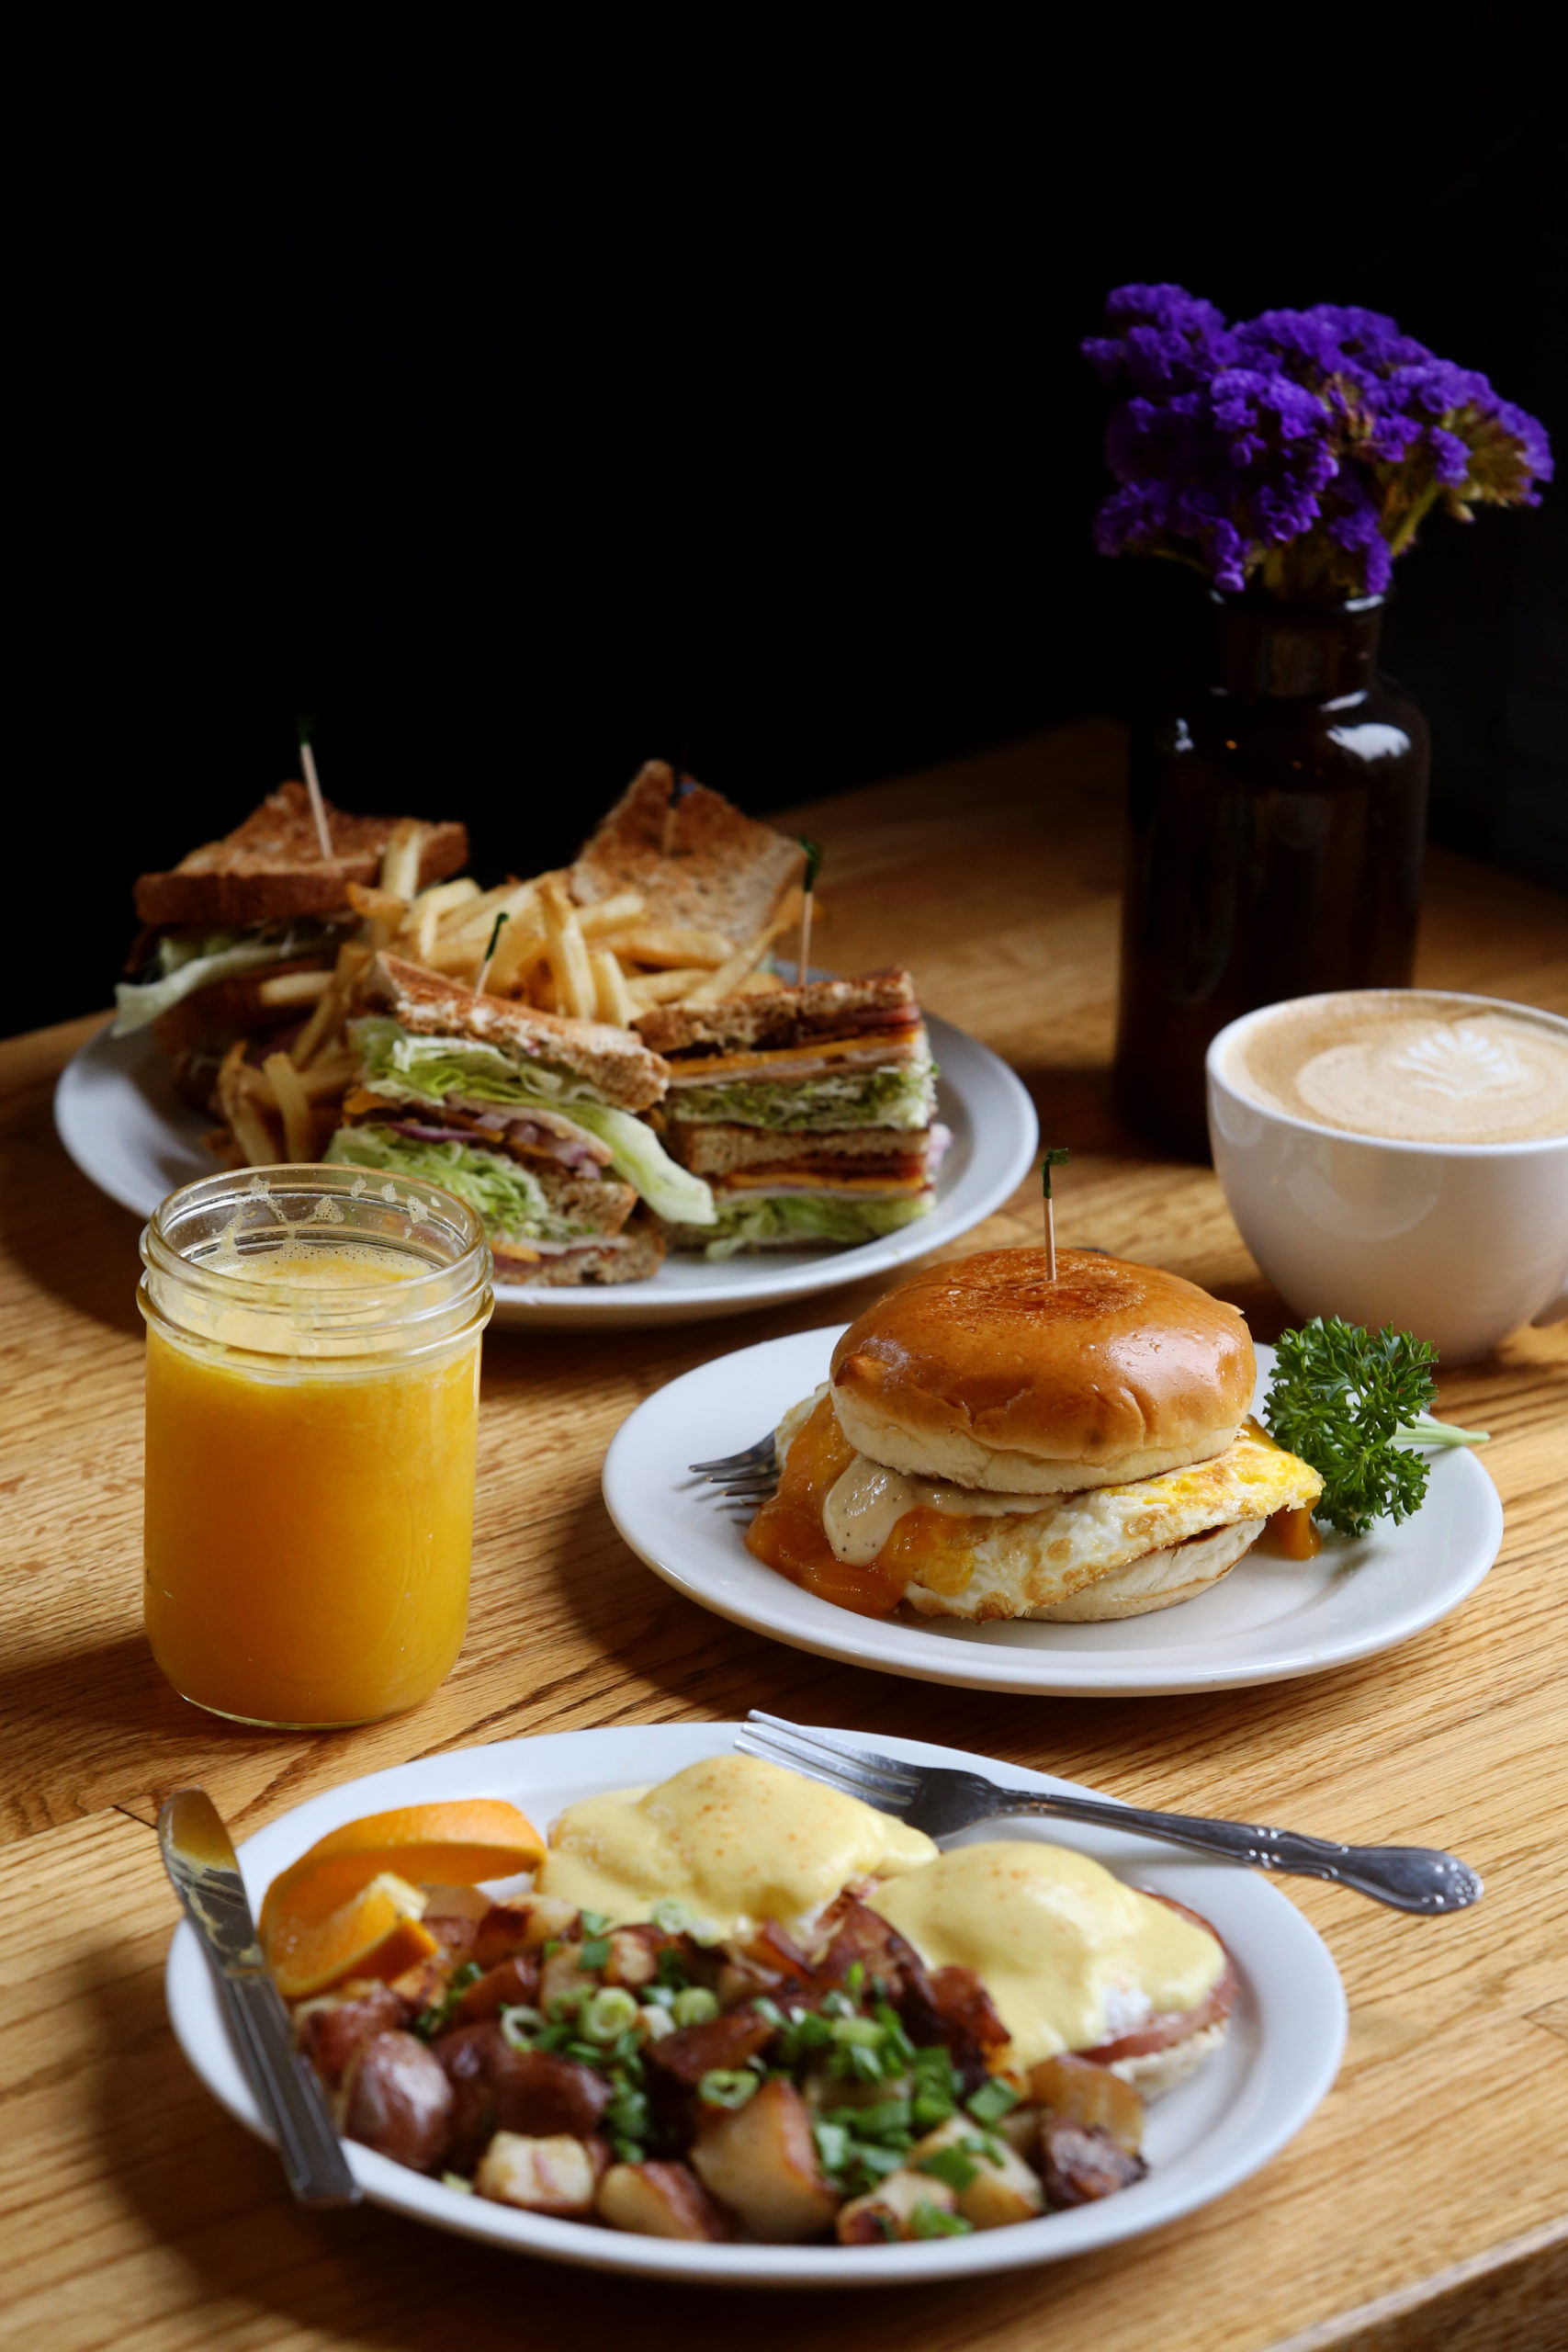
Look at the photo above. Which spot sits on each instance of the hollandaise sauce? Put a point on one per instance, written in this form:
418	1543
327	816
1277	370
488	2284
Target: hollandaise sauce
733	1840
312	1388
1070	1955
883	1544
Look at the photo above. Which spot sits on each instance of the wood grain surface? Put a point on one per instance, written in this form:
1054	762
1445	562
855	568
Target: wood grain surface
1424	2205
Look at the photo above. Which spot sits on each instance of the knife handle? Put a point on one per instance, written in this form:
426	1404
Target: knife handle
288	2092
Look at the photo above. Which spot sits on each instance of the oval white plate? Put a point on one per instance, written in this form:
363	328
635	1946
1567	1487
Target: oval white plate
1277	2063
1269	1620
121	1120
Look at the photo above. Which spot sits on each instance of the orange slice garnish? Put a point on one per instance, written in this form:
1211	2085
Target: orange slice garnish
375	1933
456	1844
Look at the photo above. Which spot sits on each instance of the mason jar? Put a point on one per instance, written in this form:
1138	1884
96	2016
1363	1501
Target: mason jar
312	1396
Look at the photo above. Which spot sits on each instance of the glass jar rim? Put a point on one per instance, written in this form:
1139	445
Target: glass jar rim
306	1207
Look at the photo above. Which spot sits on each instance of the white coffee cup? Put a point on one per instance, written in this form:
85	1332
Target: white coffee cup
1459	1242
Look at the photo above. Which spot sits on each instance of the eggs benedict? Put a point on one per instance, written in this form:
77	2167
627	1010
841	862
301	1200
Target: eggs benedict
992	1443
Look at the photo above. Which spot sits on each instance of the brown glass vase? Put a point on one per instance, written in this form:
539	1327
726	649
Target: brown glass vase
1278	816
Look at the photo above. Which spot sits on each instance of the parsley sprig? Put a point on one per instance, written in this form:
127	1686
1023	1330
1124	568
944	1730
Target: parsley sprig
1351	1403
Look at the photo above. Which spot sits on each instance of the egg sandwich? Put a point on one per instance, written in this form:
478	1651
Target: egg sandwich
992	1443
530	1117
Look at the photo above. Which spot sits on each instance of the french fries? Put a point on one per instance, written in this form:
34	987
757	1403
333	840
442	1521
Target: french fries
606	962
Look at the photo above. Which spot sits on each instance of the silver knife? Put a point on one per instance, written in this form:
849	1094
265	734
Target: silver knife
199	1855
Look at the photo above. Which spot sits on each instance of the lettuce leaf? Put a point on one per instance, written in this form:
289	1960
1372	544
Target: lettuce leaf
508	1197
900	1096
397	1065
187	965
801	1218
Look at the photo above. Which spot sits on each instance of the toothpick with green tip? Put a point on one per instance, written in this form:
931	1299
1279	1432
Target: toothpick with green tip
812	868
313	787
483	973
1056	1158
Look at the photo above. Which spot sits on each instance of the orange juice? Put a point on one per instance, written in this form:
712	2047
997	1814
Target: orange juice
312	1408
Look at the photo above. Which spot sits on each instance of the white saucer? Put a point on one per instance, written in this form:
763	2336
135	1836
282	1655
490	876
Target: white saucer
1278	2062
121	1120
1269	1620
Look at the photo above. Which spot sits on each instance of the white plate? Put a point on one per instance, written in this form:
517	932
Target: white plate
1277	2063
128	1131
1269	1620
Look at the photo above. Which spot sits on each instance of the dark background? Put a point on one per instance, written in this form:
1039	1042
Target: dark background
524	395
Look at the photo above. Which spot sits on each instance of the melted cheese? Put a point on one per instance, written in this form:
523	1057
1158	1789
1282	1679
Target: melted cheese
865	1505
1070	1956
880	1047
735	1840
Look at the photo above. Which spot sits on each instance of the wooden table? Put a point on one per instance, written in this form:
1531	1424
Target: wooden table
1424	2205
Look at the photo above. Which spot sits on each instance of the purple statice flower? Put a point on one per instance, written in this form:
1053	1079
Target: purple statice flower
1300	449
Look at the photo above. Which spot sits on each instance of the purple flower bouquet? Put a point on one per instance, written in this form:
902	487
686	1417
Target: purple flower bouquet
1300	451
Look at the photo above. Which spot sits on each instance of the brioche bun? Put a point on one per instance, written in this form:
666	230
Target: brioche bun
985	1372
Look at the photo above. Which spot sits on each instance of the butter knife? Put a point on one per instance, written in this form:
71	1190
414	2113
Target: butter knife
200	1858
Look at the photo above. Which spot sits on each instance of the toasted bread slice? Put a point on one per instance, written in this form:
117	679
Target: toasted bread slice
703	866
270	869
614	1062
784	1016
639	1253
717	1151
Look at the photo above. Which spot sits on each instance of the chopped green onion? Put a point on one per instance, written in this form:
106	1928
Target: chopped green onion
950	2165
832	2145
887	2119
931	2222
854	1976
595	1923
518	2024
595	1952
865	2030
728	2086
456	2180
695	2005
992	2101
838	2005
608	2015
764	2007
551	1946
670	1913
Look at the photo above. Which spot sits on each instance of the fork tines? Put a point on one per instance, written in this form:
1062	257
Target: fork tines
751	1474
879	1780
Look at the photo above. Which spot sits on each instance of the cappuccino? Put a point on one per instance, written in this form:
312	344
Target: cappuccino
1411	1065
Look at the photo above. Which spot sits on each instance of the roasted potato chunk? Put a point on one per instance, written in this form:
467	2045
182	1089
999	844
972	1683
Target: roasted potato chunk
506	1985
1004	2187
1080	2165
553	2176
888	2211
661	2201
331	2028
760	2161
397	2099
1071	2090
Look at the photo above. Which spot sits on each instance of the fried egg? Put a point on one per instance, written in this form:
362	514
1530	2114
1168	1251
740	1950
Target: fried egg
985	1556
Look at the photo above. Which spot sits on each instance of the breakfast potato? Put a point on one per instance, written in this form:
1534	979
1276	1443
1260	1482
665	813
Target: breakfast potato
508	1984
1004	2189
525	1926
1081	2164
760	2161
1073	2091
331	2028
888	2211
397	2099
723	2042
556	2176
497	2088
661	2201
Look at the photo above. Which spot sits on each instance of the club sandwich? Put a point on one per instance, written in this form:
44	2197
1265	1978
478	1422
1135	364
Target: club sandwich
532	1118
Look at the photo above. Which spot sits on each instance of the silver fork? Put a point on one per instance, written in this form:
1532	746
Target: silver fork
754	1472
942	1802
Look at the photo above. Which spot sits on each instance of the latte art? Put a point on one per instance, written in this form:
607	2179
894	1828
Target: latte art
1409	1066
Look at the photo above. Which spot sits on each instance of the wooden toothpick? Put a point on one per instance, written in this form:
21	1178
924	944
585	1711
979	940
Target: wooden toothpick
313	787
812	868
1054	1159
483	973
